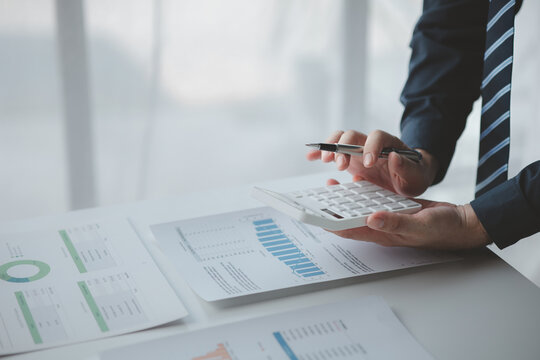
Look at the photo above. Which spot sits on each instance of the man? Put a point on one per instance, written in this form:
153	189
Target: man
460	49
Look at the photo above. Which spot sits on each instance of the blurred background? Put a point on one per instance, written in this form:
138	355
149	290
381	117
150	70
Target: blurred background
105	102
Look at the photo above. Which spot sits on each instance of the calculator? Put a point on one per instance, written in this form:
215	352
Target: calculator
336	207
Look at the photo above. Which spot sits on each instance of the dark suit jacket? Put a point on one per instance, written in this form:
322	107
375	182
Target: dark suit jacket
445	74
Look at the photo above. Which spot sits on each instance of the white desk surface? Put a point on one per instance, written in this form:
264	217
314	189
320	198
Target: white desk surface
478	308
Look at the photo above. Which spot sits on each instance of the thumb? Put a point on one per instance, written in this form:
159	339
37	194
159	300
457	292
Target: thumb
407	176
330	182
393	223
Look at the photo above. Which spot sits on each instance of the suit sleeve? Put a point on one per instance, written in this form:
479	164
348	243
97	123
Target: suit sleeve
444	81
444	76
511	211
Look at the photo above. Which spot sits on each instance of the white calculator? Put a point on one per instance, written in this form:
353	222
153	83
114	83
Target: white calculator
336	207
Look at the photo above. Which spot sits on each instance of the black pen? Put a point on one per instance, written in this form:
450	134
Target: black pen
357	150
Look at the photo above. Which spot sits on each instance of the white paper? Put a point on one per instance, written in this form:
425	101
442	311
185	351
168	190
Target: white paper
79	283
257	250
364	328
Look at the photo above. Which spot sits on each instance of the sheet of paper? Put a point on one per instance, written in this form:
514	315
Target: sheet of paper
256	250
364	328
79	283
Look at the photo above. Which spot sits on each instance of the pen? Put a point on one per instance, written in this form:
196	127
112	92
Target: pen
358	150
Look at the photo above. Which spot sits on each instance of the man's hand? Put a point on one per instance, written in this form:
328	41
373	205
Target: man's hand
398	173
438	225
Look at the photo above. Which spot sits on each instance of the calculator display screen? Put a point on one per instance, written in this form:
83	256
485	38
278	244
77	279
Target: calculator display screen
332	213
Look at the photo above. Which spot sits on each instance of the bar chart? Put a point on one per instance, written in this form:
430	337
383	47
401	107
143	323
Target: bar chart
320	340
220	353
278	244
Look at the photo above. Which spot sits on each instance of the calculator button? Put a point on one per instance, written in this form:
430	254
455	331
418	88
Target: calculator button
317	198
320	191
334	187
373	189
359	190
349	185
397	198
352	206
370	195
363	211
357	198
371	186
367	203
330	196
364	189
378	208
408	203
297	194
382	200
344	193
340	201
394	206
362	183
385	193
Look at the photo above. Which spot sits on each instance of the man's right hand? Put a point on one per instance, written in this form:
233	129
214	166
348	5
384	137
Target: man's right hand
397	173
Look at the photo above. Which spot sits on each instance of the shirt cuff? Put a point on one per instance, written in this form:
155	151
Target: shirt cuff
505	213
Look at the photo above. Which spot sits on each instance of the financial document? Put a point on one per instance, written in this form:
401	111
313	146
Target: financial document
257	250
364	328
79	283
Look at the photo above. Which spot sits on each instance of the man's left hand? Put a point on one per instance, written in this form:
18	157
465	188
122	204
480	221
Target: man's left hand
438	225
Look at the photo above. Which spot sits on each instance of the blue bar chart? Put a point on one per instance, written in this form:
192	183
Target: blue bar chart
280	246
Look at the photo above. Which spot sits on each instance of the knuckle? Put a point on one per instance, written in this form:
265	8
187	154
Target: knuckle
347	136
395	139
334	136
375	139
376	134
394	223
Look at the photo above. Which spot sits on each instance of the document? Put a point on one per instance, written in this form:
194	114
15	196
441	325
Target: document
257	250
364	328
79	283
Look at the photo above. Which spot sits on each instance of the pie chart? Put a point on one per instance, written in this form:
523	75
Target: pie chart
42	270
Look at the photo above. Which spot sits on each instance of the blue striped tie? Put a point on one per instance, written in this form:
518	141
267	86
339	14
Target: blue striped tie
496	84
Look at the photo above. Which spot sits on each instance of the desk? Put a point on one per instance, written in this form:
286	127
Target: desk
478	308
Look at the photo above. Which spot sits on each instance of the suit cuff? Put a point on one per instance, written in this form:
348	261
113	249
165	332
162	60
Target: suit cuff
426	134
505	213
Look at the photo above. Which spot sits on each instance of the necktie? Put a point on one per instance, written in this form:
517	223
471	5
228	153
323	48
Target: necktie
496	84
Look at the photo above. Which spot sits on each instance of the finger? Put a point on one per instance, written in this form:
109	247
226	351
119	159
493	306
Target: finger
431	203
342	161
364	233
357	178
328	156
348	137
375	142
331	182
352	137
394	223
313	155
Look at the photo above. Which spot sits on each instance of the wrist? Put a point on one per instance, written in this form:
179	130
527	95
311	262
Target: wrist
473	226
431	165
